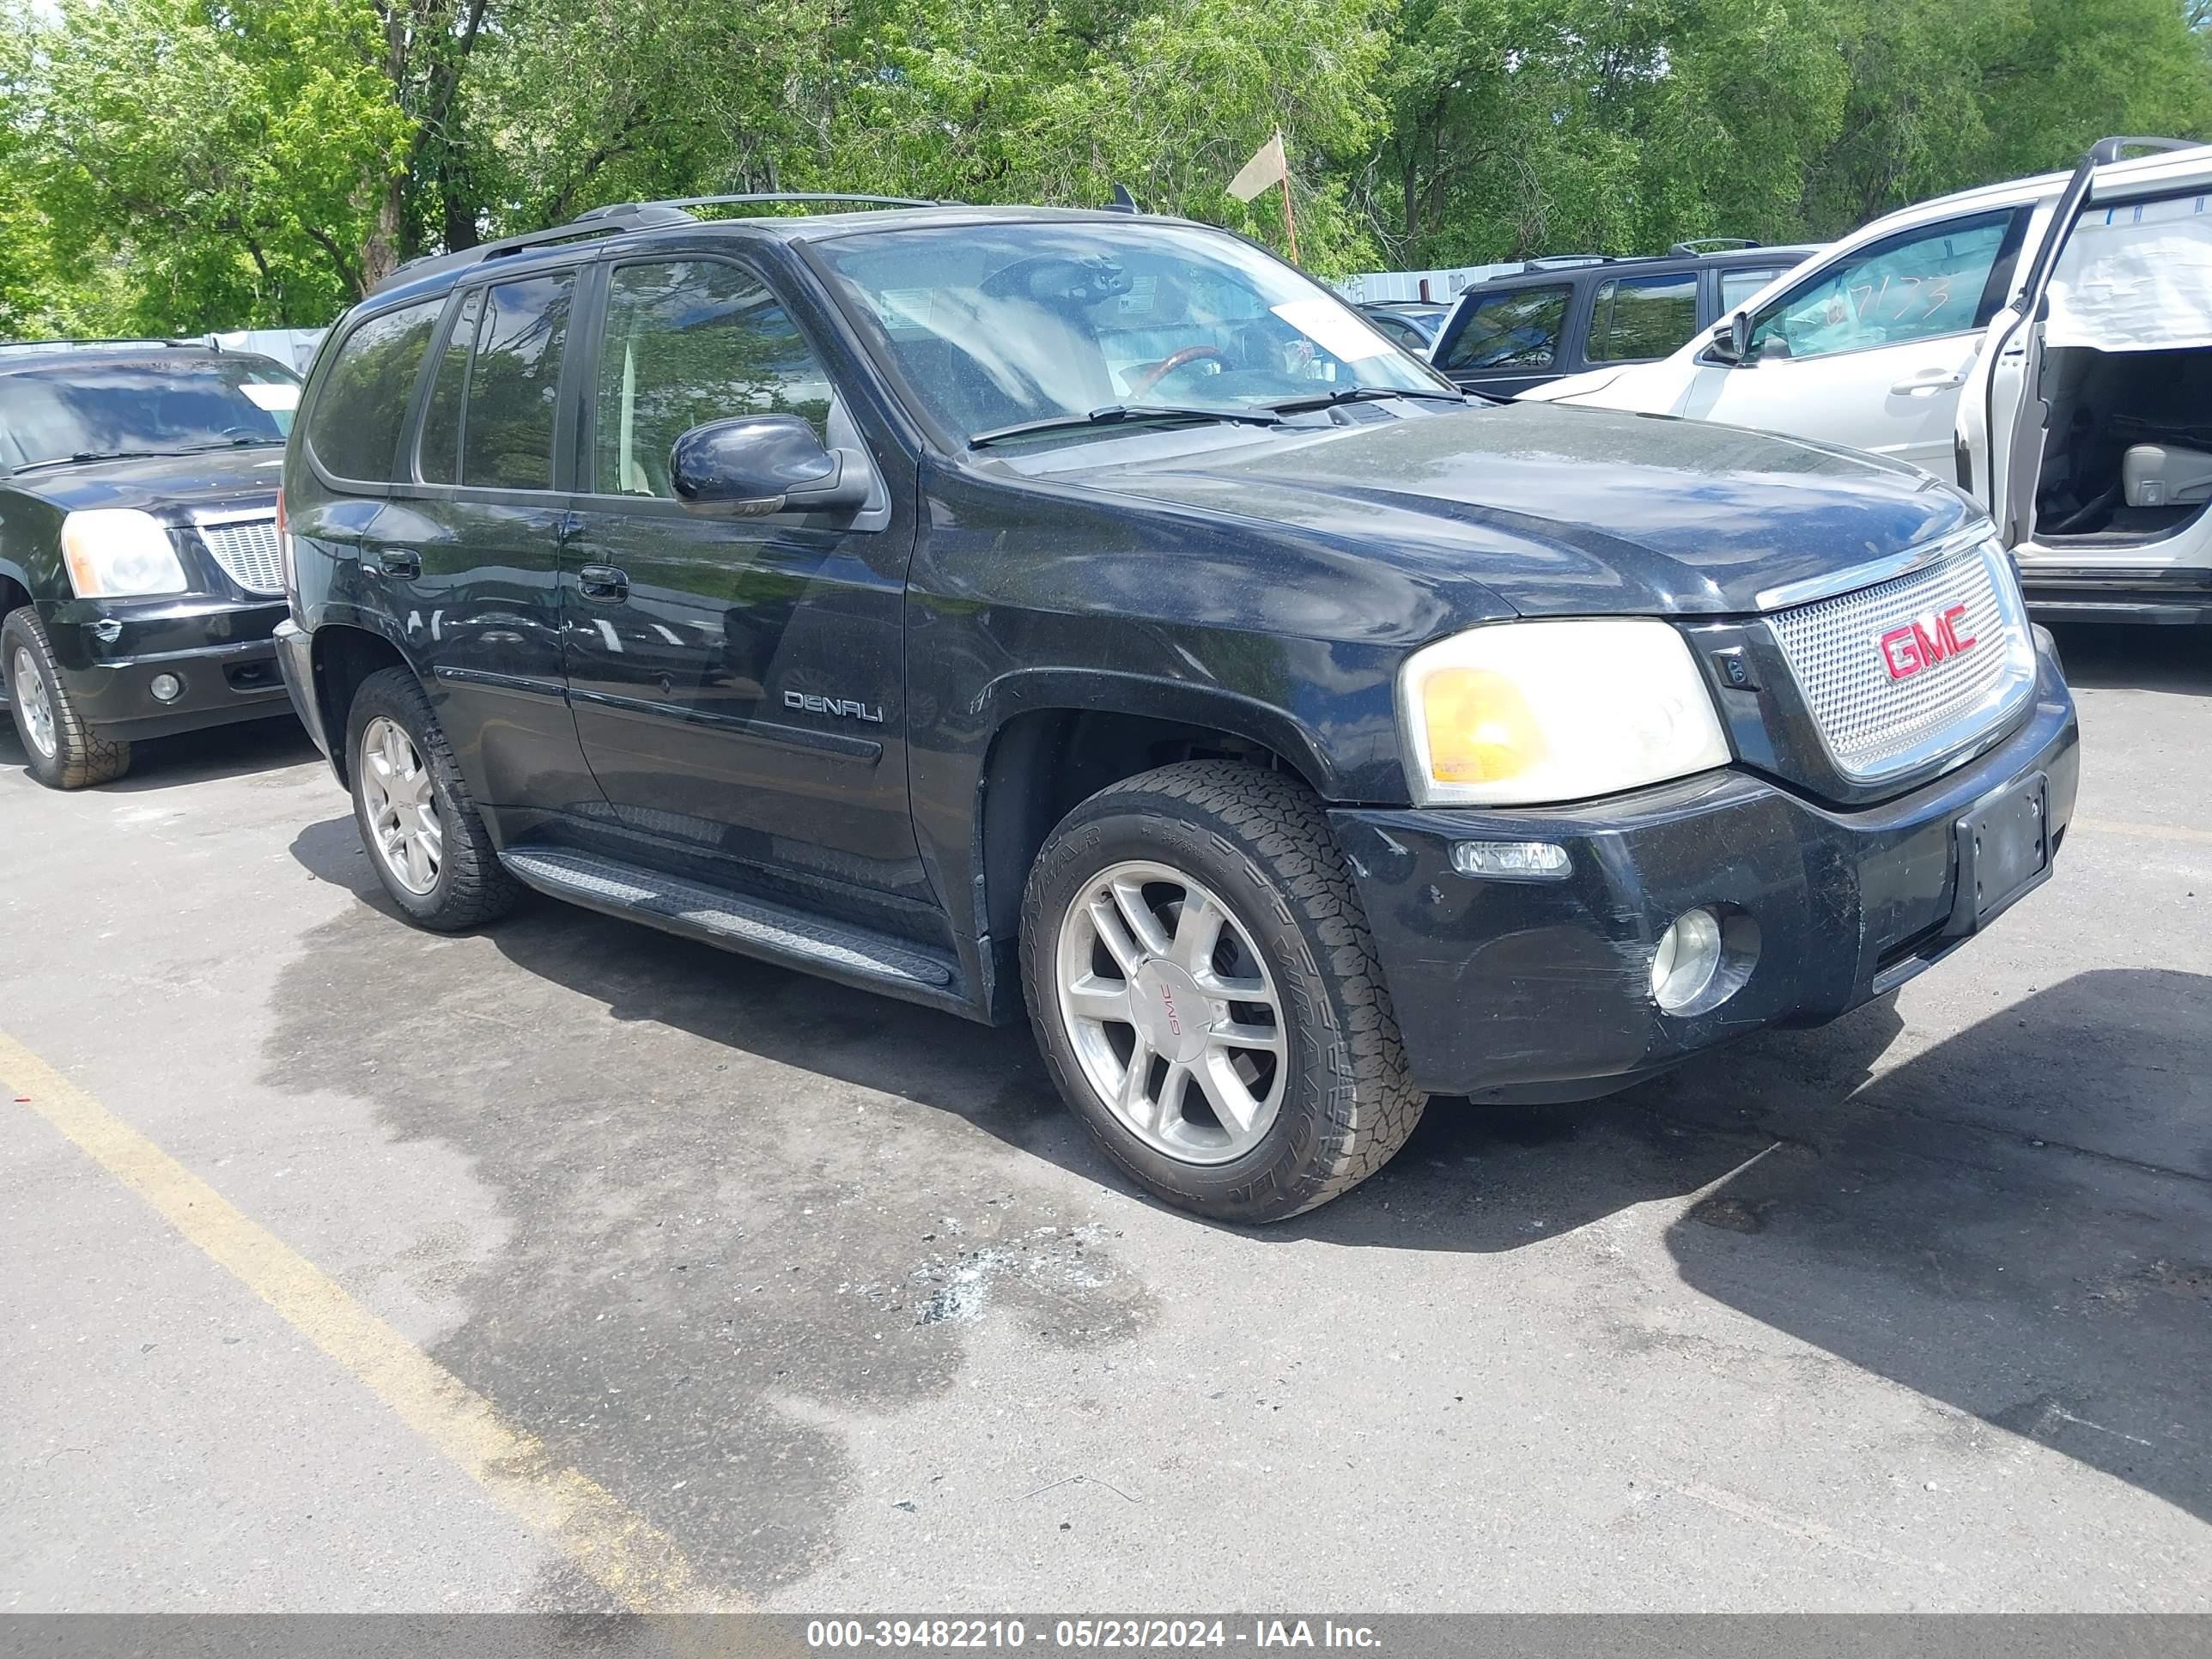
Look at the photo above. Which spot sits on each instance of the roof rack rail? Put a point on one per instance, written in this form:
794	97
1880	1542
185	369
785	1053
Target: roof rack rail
1696	245
2106	150
601	222
616	217
752	197
174	344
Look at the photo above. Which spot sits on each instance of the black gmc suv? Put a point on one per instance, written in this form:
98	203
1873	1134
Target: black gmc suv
1084	612
139	583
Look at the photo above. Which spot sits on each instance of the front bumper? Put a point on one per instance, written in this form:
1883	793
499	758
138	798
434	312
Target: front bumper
111	652
1538	990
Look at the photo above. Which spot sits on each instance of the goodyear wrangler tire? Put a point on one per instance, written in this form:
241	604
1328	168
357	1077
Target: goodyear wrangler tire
1204	991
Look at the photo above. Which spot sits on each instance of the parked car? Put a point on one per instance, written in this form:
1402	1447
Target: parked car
1412	323
1561	316
1012	608
139	585
2046	343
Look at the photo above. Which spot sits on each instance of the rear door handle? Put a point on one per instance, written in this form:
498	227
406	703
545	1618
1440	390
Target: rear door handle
602	582
399	561
1928	379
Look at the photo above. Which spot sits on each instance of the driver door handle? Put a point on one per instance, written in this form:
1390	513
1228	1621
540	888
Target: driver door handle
1928	379
602	583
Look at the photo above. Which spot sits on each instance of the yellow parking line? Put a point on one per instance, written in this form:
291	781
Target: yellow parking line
2149	831
639	1564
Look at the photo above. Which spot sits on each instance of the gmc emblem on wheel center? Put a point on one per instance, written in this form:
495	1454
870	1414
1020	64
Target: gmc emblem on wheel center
1925	642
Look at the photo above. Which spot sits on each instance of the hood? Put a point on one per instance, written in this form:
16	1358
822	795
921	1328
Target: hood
1566	510
215	480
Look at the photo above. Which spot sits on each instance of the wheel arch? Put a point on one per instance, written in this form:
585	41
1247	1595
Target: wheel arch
1060	740
343	654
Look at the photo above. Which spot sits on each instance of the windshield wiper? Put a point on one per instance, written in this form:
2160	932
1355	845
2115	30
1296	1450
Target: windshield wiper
229	443
1360	394
95	455
1113	414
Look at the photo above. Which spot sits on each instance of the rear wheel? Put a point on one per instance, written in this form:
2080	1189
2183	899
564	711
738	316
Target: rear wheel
65	752
423	832
1205	990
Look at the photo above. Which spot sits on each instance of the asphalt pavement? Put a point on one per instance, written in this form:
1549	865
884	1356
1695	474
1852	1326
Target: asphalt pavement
569	1266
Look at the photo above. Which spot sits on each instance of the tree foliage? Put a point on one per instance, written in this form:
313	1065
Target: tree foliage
186	164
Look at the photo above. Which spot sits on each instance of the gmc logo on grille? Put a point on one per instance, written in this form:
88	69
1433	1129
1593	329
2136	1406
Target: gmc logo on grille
1925	642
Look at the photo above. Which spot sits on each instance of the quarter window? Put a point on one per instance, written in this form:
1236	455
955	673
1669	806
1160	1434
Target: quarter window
1517	328
1640	317
686	344
1915	286
354	429
514	383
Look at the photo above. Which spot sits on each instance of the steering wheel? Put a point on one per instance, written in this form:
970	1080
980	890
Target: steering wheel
1146	379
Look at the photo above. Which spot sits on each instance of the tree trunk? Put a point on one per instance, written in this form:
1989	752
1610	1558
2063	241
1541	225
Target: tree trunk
379	254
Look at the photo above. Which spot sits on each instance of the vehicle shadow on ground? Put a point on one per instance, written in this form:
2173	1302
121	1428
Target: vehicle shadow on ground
2015	1221
2115	656
224	752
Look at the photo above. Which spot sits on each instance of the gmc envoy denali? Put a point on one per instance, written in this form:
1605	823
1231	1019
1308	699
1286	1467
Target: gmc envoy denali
1085	614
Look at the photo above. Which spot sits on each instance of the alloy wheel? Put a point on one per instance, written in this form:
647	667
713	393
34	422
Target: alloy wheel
32	702
1172	1012
401	806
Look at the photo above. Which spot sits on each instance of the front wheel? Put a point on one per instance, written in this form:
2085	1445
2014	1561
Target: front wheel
65	752
1205	990
424	834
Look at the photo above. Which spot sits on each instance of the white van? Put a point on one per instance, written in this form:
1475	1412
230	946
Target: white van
2046	344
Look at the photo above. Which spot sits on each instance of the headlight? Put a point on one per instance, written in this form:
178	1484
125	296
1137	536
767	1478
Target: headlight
1516	713
118	552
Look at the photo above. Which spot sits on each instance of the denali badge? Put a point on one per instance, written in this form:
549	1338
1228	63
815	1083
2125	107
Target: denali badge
1925	642
846	708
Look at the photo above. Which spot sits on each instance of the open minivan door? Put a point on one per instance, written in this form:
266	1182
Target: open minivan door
2002	413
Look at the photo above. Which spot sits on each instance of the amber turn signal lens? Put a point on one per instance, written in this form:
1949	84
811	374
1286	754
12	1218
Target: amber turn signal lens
1479	725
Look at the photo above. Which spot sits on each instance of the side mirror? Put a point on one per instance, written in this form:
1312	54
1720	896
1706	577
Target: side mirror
1731	339
763	463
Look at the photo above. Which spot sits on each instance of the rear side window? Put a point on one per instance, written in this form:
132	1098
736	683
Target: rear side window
354	429
1517	329
440	445
1640	317
514	383
1737	286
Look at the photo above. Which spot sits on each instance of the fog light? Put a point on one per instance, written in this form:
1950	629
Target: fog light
1524	860
1688	957
165	688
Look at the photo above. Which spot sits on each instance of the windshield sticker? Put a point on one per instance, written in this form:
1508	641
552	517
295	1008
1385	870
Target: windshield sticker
1334	329
272	395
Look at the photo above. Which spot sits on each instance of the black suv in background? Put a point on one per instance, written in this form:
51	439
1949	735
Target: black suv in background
1558	317
139	580
1011	609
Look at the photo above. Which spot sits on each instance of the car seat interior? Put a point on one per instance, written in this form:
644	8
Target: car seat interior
2128	448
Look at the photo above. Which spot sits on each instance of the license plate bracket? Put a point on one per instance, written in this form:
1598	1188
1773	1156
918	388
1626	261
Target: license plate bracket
2004	849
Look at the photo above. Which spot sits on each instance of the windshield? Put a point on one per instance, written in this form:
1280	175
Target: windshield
92	407
993	325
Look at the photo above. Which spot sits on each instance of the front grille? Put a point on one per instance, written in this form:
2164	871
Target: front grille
1877	727
248	553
